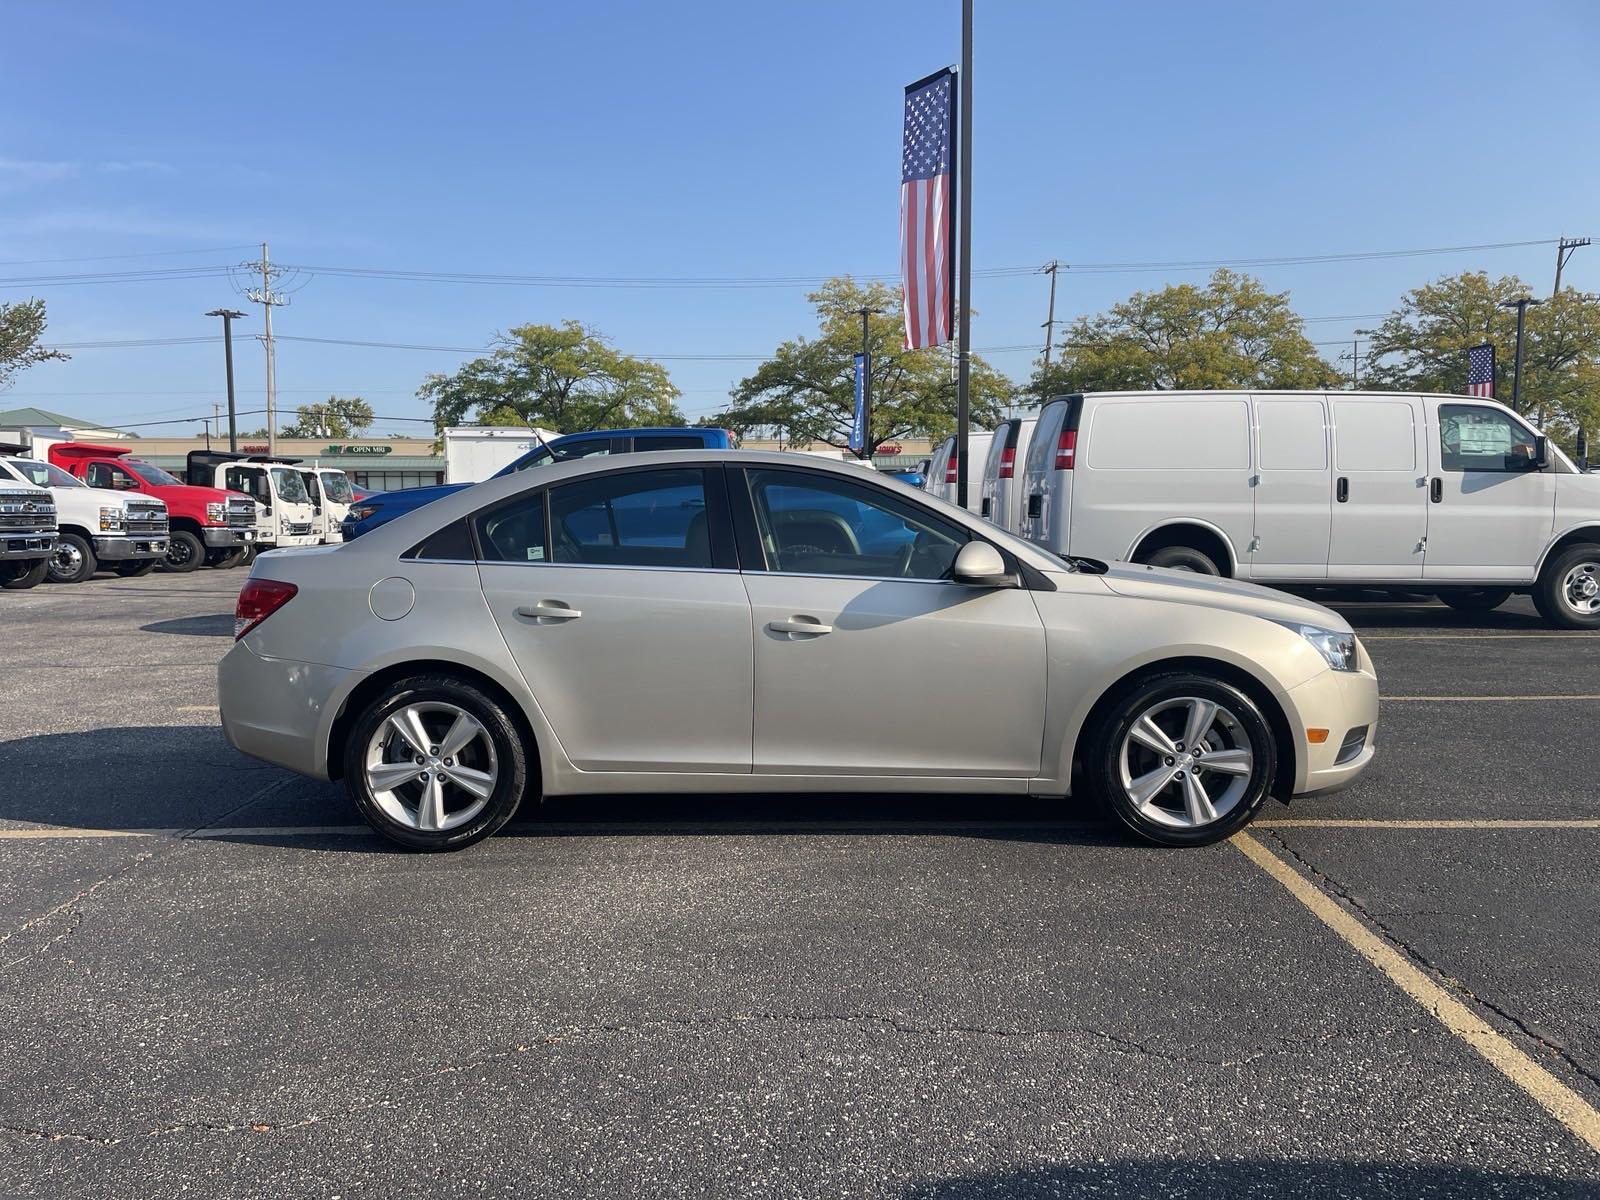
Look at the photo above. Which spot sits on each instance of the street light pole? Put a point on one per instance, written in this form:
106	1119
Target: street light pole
228	315
866	381
964	328
1521	305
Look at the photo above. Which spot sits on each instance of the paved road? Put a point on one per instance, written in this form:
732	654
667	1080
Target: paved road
212	985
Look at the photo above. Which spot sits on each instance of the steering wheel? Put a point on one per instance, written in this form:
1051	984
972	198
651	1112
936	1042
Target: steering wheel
902	564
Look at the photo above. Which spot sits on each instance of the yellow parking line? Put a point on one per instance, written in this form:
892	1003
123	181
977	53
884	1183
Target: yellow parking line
1380	823
1555	1097
197	708
1396	699
38	832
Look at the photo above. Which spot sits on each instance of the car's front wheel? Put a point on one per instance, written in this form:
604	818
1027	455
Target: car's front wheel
1183	759
434	763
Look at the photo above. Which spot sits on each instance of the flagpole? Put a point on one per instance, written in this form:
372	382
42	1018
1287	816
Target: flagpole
964	336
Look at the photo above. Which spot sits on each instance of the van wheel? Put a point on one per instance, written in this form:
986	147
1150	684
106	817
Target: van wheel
1182	558
185	552
1477	600
73	561
1183	759
435	764
19	577
1568	591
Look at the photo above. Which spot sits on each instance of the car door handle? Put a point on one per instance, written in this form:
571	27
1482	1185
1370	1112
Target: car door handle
1436	489
550	610
804	625
1341	492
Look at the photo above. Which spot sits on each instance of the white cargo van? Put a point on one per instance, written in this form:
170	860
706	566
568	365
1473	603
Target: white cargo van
1448	494
1001	490
940	479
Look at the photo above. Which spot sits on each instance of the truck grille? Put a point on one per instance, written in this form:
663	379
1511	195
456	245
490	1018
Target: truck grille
241	514
299	528
146	519
24	512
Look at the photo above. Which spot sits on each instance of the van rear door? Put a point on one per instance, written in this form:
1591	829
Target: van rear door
1380	497
1293	495
1046	501
991	505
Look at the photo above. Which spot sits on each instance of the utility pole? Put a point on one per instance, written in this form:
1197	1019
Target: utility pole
866	381
1050	268
964	336
1355	363
1516	371
229	316
268	299
1563	252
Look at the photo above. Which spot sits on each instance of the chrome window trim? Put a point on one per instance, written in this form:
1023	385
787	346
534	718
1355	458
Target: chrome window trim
501	562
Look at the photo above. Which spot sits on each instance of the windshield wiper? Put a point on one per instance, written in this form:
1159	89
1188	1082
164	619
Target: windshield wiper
1089	566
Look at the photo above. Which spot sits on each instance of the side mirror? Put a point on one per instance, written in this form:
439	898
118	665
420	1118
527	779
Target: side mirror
979	564
1541	452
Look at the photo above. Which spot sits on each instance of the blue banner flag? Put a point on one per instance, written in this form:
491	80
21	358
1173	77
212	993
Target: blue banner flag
858	428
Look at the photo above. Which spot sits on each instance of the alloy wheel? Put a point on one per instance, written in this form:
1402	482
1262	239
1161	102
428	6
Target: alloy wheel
1186	762
431	766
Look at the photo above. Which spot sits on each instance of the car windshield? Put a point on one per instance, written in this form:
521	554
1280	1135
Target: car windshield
43	474
289	484
336	486
154	476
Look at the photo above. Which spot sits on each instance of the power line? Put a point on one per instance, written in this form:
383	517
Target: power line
30	262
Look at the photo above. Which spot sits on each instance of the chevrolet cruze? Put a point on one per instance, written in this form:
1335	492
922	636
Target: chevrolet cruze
729	621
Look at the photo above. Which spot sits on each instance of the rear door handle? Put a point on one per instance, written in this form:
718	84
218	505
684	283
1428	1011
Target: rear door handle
550	610
803	625
1436	489
1341	492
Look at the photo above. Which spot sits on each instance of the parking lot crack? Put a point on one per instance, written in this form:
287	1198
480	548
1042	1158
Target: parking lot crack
70	911
56	1135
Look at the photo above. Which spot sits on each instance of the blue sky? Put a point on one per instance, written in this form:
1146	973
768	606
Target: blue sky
728	139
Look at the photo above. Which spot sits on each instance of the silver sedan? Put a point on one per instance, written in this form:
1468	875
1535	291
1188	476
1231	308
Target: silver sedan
705	621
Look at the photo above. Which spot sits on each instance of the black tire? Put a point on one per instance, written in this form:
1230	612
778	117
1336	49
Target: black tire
1182	558
225	560
73	561
1564	574
1476	600
511	759
15	577
185	552
138	568
1242	726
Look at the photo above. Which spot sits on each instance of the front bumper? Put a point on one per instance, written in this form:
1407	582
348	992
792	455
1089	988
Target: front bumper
124	549
280	710
16	546
1342	702
224	537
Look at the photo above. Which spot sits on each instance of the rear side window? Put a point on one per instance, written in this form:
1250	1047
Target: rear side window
670	441
453	543
513	532
1170	435
1374	435
634	519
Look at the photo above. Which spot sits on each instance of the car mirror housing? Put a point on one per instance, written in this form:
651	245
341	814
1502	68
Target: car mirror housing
979	564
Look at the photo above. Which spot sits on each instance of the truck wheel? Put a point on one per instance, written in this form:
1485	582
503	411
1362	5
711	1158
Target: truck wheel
73	561
185	552
1182	558
137	570
224	560
1477	600
17	577
1568	591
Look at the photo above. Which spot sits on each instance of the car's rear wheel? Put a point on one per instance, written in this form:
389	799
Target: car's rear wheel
1183	759
434	763
1476	600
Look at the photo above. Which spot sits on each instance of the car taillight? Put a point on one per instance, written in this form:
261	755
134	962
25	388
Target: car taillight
951	472
1066	449
1008	462
258	601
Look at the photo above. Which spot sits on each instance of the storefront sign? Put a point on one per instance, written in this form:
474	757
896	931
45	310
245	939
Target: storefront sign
336	448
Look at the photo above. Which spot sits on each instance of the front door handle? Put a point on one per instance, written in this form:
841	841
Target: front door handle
1342	491
809	626
1437	489
550	610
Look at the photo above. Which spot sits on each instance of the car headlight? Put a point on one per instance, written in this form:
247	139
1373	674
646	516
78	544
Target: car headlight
217	511
111	520
1338	649
360	512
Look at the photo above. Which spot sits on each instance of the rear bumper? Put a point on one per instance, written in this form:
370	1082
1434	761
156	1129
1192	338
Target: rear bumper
223	537
279	710
1343	703
21	546
125	549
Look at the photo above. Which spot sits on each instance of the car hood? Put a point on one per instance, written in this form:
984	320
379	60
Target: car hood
1185	587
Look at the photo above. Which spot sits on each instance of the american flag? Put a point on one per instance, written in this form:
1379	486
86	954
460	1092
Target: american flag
926	245
1480	370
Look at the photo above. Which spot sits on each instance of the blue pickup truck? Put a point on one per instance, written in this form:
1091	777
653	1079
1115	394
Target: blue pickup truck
383	507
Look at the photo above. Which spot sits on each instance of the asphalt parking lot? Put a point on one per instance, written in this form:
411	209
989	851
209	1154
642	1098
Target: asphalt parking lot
214	982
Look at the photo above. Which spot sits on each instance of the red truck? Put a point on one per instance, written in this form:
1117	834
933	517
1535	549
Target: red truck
208	525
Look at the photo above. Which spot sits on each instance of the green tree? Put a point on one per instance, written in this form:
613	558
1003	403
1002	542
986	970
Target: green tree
21	326
1422	346
1231	333
336	417
565	378
806	391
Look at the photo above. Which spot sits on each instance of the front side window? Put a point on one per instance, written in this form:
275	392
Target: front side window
103	475
634	518
336	484
813	524
1472	438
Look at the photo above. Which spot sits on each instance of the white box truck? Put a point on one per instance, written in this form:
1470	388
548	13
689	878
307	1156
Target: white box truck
1454	495
472	453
